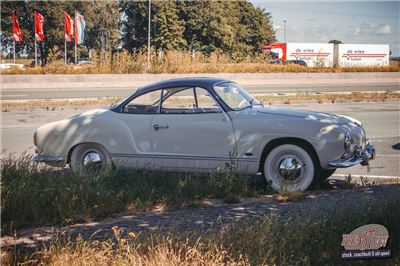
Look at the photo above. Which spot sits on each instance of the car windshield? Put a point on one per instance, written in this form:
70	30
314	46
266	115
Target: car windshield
234	96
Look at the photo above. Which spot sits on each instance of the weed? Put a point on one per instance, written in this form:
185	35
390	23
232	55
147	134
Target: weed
349	182
33	195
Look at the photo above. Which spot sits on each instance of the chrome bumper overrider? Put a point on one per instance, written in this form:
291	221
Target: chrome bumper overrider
360	156
42	158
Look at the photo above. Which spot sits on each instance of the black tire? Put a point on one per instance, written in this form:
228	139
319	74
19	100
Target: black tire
83	159
325	173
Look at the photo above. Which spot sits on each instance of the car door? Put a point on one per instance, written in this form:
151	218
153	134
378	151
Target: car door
137	116
192	132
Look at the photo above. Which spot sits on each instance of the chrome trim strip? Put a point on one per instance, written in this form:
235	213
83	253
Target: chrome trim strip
42	158
181	157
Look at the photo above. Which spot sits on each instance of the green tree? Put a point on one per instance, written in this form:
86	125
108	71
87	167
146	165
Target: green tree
335	41
235	27
134	24
102	24
168	26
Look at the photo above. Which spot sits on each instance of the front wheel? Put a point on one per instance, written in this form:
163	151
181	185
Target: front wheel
89	158
290	168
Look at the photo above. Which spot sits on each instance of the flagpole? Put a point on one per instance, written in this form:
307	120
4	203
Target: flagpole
35	39
35	52
65	51
148	37
14	50
76	34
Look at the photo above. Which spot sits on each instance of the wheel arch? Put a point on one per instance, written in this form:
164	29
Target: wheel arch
81	143
288	140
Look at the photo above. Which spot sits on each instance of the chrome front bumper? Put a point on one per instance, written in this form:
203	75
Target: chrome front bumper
360	156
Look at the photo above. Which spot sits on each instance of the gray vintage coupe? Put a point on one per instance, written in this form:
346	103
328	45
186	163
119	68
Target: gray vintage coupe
201	124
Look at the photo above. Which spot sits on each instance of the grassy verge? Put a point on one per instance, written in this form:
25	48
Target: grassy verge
31	196
312	239
51	105
331	97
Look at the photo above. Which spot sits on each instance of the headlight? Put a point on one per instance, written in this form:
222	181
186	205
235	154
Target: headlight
348	140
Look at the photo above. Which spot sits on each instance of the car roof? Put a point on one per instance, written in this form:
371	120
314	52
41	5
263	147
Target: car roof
183	82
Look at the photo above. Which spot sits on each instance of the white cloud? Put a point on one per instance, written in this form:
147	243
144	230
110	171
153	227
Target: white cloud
365	29
383	29
356	31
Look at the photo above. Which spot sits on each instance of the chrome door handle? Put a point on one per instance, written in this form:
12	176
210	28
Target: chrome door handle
157	126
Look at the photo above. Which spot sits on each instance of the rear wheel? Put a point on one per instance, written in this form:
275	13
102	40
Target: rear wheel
290	168
89	158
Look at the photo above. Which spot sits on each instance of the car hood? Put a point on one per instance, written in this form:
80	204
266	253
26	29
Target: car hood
308	115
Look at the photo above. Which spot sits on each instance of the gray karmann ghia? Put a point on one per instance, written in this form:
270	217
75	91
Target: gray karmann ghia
201	124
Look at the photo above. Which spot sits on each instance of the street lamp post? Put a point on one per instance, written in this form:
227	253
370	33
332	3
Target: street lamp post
148	37
284	31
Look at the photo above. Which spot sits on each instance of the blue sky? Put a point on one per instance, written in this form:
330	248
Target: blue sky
367	22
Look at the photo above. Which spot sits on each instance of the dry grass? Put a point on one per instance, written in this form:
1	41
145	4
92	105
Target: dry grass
54	104
331	97
133	250
290	196
181	62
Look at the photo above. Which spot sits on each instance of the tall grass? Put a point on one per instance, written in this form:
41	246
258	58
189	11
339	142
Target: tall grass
32	195
181	62
312	238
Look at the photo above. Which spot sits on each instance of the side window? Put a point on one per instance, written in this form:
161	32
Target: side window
206	102
188	101
147	103
178	100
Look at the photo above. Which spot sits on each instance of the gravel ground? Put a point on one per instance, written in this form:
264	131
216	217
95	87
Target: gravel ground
213	215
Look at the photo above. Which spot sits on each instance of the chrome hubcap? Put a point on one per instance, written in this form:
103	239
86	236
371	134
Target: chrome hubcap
92	160
290	168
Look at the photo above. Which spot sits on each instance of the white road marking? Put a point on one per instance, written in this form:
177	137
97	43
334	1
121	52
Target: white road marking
13	95
389	155
369	176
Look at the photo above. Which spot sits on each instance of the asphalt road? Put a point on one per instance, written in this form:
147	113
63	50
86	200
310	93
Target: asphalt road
381	121
96	92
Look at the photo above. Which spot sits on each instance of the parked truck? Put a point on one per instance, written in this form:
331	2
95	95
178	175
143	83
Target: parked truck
329	54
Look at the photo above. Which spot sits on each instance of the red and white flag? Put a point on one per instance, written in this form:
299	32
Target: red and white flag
68	27
80	25
39	24
17	35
